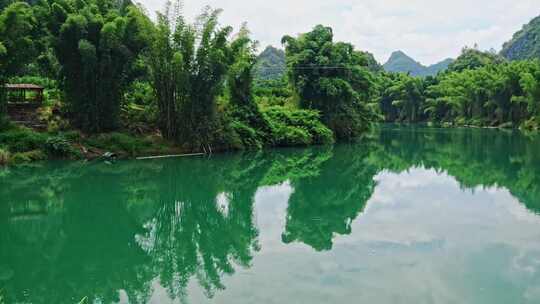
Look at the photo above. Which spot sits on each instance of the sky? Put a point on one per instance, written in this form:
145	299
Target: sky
427	30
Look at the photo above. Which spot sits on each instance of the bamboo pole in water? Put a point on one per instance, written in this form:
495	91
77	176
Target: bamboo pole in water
170	156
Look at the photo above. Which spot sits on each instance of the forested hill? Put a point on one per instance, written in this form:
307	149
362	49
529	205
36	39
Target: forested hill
270	64
525	44
400	62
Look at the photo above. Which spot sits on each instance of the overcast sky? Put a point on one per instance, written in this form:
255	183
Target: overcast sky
427	30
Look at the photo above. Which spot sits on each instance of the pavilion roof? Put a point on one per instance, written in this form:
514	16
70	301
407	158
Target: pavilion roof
24	86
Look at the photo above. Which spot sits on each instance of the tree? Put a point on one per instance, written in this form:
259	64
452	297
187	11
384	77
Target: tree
316	213
96	45
494	94
240	75
248	121
530	83
17	48
188	67
332	78
472	58
404	98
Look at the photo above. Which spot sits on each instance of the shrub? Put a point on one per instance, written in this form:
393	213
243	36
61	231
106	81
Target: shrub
5	124
293	127
531	124
21	139
119	142
58	146
139	107
461	121
225	136
51	115
248	136
26	157
247	127
72	136
292	136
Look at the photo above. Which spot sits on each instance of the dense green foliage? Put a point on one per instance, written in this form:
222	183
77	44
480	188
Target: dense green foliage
372	64
472	58
401	97
247	122
291	127
525	44
188	67
479	89
96	44
399	62
204	86
331	78
21	144
107	67
17	47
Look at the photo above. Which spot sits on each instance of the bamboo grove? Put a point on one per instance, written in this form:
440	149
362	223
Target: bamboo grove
116	69
112	68
479	89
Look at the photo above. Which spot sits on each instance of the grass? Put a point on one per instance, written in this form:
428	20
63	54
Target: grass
21	139
21	145
127	144
27	157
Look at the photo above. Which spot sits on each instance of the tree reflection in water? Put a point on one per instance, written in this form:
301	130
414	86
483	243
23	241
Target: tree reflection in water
70	231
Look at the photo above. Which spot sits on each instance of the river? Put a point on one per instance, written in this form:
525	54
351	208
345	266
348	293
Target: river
411	215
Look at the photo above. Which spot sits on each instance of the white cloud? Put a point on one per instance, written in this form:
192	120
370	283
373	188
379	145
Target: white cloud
428	30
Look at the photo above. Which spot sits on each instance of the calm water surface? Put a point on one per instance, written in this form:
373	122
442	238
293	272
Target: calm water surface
413	216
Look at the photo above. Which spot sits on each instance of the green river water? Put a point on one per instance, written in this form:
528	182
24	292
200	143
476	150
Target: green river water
413	215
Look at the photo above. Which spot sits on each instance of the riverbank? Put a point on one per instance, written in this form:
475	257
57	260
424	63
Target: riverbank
23	145
448	125
19	144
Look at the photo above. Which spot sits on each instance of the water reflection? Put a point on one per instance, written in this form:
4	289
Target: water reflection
475	158
318	211
111	233
204	223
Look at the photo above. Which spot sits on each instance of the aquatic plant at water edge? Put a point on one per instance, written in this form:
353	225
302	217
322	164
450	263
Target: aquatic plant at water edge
58	146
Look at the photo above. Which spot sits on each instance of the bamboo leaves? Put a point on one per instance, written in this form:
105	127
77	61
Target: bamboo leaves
188	68
96	49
